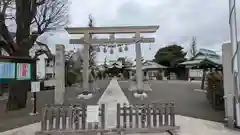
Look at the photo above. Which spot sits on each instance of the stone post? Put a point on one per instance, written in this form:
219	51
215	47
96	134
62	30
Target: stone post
86	63
139	73
59	75
147	75
130	74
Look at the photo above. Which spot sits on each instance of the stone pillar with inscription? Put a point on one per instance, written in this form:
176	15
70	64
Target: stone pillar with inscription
59	75
130	74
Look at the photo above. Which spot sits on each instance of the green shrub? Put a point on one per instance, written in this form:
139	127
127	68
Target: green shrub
71	77
79	78
215	86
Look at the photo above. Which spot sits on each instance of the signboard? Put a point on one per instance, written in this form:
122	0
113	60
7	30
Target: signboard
23	71
92	113
195	73
7	70
35	86
59	55
111	113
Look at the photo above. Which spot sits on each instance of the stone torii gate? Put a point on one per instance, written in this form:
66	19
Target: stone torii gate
86	41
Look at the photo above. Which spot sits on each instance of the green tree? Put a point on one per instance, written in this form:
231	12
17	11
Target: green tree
170	56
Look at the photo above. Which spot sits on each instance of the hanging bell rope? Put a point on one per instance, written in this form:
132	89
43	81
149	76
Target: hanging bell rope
98	49
105	49
120	48
126	48
111	50
150	46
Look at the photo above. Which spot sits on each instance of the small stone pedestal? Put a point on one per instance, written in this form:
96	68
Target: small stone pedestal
133	86
140	94
85	95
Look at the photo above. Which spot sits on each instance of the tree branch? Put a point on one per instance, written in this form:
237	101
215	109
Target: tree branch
41	2
51	14
5	4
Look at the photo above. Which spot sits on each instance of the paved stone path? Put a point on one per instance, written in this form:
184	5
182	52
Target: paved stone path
111	96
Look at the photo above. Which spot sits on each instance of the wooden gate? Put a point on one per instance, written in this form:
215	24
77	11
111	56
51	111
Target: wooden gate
150	118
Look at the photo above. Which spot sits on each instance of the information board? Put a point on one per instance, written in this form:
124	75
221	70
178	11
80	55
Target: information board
23	71
35	86
195	73
92	113
7	70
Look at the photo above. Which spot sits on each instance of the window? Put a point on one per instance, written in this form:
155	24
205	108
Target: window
149	73
49	76
154	73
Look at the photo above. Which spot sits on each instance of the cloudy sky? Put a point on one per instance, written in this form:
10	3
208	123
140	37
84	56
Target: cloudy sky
179	20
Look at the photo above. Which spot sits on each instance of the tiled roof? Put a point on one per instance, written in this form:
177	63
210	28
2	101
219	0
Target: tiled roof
203	55
198	61
148	65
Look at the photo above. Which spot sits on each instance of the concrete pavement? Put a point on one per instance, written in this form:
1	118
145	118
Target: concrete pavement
182	94
188	126
15	119
188	101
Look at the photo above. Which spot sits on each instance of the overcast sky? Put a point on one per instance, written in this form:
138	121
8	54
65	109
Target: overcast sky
179	20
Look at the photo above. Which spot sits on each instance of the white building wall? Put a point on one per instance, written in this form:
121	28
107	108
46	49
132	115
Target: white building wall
41	71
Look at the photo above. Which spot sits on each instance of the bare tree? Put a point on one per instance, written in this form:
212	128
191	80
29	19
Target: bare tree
44	15
5	37
6	5
193	49
92	50
51	15
44	49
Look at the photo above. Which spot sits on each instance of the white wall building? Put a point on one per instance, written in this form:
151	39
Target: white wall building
45	67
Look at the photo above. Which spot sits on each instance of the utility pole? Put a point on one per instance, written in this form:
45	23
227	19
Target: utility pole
236	62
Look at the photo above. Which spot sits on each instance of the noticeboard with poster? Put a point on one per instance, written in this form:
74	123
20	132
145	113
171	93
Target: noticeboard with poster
12	68
23	71
7	70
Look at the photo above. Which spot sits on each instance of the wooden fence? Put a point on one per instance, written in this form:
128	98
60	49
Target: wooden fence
150	118
71	119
